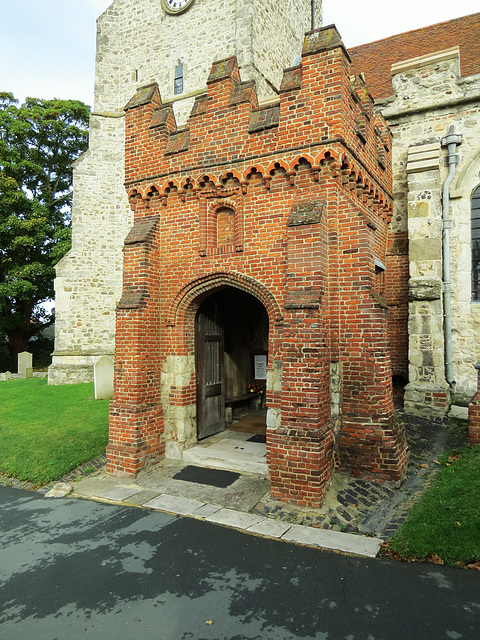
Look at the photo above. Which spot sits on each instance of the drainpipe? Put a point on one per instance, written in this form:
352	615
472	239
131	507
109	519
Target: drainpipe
451	142
313	15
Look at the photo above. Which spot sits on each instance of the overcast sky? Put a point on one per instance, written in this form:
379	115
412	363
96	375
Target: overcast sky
47	47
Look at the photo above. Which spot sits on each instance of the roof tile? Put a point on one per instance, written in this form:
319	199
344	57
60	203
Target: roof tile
376	58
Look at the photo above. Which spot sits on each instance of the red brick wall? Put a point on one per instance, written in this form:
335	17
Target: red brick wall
309	182
135	412
396	295
474	414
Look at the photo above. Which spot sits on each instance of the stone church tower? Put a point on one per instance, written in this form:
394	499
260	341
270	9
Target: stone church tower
172	43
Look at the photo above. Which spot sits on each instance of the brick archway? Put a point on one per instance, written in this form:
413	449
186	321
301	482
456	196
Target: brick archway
188	299
180	404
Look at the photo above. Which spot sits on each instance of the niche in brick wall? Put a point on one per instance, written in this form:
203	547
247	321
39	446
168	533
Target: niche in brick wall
221	227
225	227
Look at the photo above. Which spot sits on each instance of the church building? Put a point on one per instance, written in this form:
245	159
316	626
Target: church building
253	221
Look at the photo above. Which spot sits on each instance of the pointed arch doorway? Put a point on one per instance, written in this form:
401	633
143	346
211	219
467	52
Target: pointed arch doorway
231	335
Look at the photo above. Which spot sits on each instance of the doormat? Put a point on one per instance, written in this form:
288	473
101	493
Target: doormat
258	437
212	477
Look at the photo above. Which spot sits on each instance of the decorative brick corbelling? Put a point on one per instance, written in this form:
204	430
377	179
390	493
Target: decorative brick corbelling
336	158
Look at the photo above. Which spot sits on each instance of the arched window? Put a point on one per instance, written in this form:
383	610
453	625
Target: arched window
476	245
178	80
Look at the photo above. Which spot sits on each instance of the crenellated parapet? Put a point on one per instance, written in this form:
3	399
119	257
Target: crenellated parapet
322	112
287	201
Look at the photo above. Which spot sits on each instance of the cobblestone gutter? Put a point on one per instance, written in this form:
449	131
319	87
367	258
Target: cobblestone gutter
359	506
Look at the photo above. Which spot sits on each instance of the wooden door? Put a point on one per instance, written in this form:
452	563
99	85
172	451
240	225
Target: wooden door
210	370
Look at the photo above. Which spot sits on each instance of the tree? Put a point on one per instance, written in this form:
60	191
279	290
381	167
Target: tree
39	140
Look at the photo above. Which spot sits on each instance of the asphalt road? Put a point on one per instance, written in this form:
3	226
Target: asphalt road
72	569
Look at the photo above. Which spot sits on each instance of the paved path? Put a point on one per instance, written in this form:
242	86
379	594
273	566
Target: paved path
352	506
79	569
213	505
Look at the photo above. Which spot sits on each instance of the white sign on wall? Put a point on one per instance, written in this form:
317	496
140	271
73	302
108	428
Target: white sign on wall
260	367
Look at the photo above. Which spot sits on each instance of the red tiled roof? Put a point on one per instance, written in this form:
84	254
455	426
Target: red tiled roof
376	58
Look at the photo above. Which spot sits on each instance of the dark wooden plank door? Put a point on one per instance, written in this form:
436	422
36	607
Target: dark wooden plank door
210	370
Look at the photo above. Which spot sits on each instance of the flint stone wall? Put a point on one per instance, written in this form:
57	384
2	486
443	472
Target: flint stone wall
429	97
138	43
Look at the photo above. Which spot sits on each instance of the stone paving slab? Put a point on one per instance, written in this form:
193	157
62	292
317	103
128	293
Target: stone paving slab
143	496
335	540
232	518
94	485
174	504
205	511
270	528
110	488
118	494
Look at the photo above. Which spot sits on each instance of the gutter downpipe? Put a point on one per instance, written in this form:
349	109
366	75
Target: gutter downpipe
313	14
451	141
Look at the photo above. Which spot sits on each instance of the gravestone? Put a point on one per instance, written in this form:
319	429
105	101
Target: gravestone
6	376
103	378
24	363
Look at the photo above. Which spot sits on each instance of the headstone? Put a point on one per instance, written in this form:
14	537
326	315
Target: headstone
29	372
103	378
6	376
24	363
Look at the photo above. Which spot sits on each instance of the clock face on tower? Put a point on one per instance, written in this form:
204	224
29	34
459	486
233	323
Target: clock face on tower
176	6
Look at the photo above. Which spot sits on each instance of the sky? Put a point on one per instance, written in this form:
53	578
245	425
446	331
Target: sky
47	47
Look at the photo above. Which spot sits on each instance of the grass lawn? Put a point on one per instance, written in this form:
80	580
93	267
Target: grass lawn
47	431
444	525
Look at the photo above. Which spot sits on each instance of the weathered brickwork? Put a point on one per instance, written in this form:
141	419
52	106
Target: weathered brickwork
307	184
430	97
138	43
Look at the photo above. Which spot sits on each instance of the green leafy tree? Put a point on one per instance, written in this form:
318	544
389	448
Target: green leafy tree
39	140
